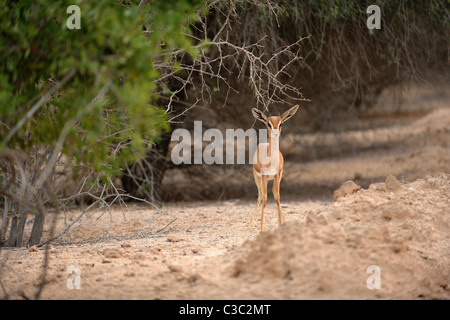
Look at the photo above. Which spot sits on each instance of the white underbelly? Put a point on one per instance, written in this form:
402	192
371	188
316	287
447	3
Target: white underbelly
267	172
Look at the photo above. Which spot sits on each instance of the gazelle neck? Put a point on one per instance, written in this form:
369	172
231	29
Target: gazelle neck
274	145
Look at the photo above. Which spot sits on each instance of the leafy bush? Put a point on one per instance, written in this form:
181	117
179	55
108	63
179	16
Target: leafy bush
104	74
88	93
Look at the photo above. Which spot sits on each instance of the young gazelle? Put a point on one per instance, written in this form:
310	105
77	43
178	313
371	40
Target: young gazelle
268	162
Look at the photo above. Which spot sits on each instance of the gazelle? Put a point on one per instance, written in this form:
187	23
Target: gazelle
268	162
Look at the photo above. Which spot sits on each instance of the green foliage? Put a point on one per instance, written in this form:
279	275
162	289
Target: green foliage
105	110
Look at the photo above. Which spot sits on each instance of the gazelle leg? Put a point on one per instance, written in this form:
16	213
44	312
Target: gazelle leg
258	184
276	194
264	198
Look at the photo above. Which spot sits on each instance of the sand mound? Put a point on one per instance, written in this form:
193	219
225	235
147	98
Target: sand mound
403	229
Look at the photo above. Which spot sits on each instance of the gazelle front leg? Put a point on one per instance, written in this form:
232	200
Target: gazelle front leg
258	184
264	198
276	195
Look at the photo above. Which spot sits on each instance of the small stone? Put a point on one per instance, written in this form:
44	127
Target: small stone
112	253
396	248
347	188
392	183
139	256
380	186
33	249
174	239
126	244
174	268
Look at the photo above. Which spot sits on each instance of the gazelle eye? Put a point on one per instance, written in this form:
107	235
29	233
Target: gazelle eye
270	125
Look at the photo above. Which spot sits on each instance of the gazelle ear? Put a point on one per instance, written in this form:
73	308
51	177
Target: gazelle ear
259	115
290	113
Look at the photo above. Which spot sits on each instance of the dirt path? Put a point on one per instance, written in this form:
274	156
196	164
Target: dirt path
204	250
208	253
149	268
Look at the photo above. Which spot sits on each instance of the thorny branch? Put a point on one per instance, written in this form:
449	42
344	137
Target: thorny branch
222	59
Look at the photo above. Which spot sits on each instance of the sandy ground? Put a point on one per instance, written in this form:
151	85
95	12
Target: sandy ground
395	216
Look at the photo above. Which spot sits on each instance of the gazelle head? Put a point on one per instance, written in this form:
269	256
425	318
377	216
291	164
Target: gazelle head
274	123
